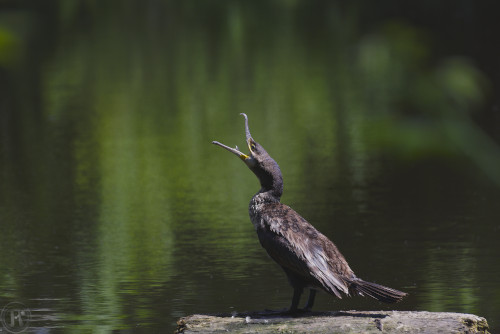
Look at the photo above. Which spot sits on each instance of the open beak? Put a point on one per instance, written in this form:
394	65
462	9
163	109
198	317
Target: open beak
235	151
246	158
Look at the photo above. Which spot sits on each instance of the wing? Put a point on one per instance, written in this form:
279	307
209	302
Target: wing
297	246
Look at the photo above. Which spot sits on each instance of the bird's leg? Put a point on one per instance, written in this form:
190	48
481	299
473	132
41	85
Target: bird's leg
293	310
310	300
297	292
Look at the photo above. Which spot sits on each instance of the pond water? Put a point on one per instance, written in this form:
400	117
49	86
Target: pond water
118	214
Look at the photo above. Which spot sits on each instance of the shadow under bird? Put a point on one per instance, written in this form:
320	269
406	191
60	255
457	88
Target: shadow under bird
309	259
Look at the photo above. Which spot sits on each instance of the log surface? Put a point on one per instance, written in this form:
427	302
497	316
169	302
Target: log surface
336	322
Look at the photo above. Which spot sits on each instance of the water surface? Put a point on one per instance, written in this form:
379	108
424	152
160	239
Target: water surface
117	213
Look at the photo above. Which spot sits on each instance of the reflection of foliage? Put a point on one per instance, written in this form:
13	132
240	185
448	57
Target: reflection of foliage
461	272
9	49
419	109
128	96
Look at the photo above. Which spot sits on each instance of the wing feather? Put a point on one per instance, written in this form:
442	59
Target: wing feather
297	246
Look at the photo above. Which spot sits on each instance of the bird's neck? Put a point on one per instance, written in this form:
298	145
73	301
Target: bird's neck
271	181
266	196
272	189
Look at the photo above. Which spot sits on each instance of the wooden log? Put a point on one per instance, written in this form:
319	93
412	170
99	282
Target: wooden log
336	322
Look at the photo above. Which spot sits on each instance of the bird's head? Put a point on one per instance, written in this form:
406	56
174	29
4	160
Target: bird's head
260	162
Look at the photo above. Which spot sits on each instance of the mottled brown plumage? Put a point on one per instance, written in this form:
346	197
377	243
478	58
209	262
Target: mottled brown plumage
308	258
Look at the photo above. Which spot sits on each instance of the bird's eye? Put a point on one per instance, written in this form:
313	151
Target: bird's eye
252	147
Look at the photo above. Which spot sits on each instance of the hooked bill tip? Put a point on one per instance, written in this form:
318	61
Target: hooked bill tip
247	130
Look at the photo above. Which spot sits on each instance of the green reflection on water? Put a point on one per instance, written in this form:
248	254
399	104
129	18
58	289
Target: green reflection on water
460	270
112	193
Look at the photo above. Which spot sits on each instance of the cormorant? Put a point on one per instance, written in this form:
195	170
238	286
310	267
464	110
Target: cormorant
309	259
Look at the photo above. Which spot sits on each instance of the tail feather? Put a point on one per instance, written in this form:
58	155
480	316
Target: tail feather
377	291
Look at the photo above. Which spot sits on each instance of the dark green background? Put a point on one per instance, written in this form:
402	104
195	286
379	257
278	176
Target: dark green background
117	213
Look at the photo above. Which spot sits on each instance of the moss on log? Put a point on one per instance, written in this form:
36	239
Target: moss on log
336	322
